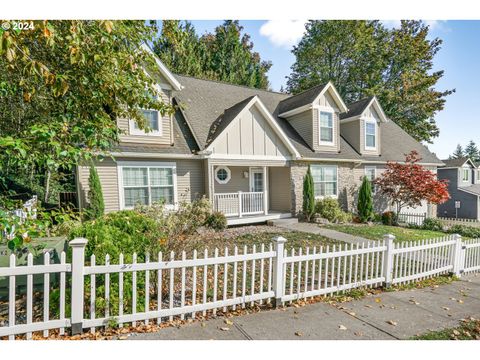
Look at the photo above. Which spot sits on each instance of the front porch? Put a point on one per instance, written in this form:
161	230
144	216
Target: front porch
250	194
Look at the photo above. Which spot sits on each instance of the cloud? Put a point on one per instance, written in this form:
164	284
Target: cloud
433	24
283	33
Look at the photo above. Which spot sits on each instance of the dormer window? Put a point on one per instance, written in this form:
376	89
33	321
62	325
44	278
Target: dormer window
326	127
466	175
153	122
370	134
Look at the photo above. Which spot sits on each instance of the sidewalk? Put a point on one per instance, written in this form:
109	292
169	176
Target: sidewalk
390	316
293	224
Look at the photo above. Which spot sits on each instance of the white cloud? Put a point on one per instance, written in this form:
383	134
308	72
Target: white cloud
433	24
283	33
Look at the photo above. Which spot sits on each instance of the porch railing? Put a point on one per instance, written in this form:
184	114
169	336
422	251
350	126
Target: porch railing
239	203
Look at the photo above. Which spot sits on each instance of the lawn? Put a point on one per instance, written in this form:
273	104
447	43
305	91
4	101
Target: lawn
376	232
254	235
468	330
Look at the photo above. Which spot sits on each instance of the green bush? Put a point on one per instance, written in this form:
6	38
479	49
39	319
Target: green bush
389	218
308	195
467	231
365	201
330	209
216	221
124	232
432	224
96	207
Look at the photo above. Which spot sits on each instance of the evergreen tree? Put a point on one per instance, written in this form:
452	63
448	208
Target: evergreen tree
458	153
96	206
365	201
308	195
363	58
471	150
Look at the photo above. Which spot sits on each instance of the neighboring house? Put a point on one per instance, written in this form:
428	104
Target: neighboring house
463	176
248	150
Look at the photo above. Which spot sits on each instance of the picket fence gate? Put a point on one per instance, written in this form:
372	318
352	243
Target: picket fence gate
102	293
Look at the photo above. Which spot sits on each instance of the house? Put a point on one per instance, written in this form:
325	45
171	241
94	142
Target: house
248	150
463	176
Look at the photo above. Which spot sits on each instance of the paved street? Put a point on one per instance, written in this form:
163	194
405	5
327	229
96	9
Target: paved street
390	315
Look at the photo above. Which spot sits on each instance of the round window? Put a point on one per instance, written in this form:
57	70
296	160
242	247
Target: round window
222	174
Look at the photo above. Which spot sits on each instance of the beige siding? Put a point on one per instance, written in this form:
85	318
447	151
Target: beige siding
250	134
237	181
351	132
279	189
164	139
107	172
362	139
190	181
303	123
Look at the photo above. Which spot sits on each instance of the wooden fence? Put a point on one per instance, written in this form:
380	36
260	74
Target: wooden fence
459	221
107	292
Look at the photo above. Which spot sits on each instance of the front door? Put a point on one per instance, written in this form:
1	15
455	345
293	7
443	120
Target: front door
256	180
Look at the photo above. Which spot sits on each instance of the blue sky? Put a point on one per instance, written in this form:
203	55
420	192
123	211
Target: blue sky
458	57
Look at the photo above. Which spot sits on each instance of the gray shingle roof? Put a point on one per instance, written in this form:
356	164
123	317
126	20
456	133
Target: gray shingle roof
209	106
301	99
455	162
475	189
356	108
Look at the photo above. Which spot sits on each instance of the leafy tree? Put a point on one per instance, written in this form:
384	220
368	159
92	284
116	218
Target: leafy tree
365	201
458	153
63	86
96	206
471	150
363	58
308	195
225	55
408	184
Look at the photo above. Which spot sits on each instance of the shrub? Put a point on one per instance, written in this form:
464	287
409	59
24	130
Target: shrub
467	231
124	232
329	209
96	207
308	195
365	201
389	218
216	221
432	224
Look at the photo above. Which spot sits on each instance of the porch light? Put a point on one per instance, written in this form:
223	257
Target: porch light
245	174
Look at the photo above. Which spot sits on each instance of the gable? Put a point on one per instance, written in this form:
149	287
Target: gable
250	134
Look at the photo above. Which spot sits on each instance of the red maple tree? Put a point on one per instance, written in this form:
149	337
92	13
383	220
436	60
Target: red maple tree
408	184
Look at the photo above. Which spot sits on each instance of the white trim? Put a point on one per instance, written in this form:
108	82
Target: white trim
329	110
378	108
155	155
373	121
296	111
272	122
469	192
147	164
247	157
229	174
374	174
251	171
338	99
164	70
139	132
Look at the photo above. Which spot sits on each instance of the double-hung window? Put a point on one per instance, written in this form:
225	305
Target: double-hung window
324	180
370	134
326	128
153	121
148	184
466	175
370	174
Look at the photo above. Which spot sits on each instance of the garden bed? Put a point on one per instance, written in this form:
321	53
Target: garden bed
377	231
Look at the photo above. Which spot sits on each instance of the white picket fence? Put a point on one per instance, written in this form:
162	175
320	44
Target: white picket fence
412	218
459	221
103	291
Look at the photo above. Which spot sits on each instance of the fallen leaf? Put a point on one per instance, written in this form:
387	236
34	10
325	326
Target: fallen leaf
358	334
298	333
391	322
352	313
456	332
341	327
368	306
203	324
445	308
378	300
224	328
228	322
460	301
123	337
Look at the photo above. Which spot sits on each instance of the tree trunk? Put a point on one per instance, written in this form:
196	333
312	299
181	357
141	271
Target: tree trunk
47	186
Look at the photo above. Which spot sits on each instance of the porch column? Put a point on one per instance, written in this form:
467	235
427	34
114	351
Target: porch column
209	185
265	192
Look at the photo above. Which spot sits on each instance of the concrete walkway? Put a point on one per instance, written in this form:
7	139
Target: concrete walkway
391	315
293	224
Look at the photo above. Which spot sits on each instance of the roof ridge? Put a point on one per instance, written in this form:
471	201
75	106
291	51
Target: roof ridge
237	85
304	91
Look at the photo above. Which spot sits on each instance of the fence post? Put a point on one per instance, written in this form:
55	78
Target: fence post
457	255
240	207
388	263
278	275
78	262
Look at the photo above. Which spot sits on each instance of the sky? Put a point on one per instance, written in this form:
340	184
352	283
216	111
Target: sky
458	57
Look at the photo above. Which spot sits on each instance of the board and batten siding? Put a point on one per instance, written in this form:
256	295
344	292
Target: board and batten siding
166	121
190	181
279	189
250	134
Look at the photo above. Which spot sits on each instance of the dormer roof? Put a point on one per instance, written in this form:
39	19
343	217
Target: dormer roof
357	109
458	163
